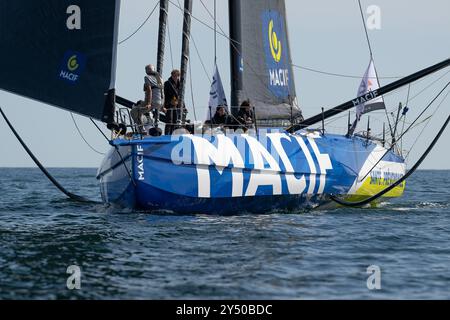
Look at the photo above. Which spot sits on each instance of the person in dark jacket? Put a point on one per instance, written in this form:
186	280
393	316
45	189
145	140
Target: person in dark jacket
172	88
220	117
171	93
171	116
245	115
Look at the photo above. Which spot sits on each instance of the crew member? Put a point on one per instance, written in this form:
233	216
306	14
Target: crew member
154	94
220	117
245	116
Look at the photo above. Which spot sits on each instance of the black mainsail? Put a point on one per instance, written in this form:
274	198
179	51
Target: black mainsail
61	52
261	65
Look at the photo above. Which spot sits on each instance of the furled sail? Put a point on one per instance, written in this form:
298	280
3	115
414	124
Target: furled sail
61	52
261	60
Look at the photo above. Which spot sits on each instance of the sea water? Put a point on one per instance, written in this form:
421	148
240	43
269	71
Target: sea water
54	248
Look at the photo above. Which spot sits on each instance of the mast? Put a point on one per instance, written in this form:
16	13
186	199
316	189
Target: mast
163	11
185	49
236	65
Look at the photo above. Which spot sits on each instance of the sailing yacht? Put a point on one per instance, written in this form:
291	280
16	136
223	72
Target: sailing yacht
283	163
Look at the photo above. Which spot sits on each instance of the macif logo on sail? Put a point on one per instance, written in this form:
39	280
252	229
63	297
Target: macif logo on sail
72	66
276	52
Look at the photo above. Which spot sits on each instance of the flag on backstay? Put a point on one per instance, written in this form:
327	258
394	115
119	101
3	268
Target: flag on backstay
216	95
368	84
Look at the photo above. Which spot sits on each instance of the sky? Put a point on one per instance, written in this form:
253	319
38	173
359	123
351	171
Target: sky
326	35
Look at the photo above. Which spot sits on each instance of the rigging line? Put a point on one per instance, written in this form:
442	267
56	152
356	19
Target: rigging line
426	125
292	64
398	182
338	74
405	115
200	58
407	130
170	44
192	90
429	86
118	152
376	73
233	44
365	29
41	167
417	82
223	34
198	20
381	91
195	45
101	131
392	131
141	26
82	136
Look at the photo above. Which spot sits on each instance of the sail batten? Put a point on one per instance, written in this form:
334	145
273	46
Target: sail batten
62	53
261	59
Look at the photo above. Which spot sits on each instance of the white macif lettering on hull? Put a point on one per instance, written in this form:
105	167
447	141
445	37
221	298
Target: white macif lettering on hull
295	186
312	166
264	176
221	157
324	164
140	162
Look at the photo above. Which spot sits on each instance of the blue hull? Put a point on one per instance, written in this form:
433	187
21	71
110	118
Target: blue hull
270	172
